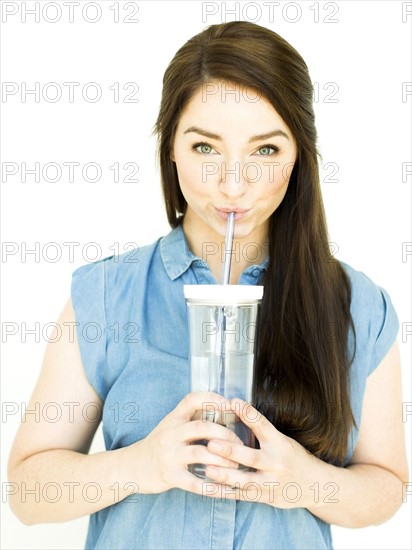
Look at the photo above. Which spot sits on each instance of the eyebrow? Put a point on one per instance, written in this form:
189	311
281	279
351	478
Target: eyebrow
259	137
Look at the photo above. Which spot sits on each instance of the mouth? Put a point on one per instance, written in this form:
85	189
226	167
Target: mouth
240	213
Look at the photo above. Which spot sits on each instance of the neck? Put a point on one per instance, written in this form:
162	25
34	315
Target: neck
246	252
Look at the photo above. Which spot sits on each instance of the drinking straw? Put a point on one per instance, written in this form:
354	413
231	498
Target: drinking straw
228	248
225	281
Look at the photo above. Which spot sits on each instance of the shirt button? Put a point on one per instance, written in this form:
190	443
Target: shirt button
256	272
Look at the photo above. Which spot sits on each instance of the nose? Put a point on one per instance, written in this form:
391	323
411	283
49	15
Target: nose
233	179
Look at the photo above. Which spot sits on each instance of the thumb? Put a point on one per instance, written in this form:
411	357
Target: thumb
207	402
253	419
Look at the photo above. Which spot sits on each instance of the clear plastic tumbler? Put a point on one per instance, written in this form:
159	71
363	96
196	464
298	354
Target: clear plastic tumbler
223	332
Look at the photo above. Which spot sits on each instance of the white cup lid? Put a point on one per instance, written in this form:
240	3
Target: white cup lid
223	294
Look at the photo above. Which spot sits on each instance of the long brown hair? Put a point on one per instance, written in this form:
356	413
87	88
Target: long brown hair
302	367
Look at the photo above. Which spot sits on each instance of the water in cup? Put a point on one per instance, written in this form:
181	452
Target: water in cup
222	328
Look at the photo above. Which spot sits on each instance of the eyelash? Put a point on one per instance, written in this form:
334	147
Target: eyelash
196	145
267	145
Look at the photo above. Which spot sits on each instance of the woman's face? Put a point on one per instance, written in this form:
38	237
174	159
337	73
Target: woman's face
233	152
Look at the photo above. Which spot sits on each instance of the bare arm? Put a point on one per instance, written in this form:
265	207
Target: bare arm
367	492
371	487
51	458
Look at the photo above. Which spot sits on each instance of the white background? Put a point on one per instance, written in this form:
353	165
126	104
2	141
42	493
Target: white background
366	133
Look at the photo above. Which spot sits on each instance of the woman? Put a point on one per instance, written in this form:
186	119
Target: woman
236	133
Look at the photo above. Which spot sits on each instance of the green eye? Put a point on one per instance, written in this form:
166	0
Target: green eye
203	148
267	150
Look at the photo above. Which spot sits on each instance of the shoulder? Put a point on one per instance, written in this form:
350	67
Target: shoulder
374	316
363	288
365	292
117	266
112	282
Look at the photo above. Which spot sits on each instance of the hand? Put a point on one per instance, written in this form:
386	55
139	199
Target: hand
159	461
285	470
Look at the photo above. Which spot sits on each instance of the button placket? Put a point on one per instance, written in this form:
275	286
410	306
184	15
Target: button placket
223	524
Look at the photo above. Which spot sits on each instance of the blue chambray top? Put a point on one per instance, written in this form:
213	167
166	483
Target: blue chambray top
133	338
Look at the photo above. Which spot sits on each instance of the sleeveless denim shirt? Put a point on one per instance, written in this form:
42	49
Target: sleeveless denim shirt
133	338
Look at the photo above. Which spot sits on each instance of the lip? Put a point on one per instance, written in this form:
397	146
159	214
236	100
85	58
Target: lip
239	212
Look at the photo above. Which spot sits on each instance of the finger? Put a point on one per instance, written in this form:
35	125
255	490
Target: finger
190	482
237	480
240	454
197	429
204	401
199	454
251	417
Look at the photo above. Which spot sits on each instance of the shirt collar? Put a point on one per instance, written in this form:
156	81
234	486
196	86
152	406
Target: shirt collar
177	257
175	253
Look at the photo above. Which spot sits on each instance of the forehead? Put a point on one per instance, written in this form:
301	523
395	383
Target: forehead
226	103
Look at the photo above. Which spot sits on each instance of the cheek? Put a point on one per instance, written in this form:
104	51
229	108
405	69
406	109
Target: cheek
191	179
185	172
274	177
274	184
